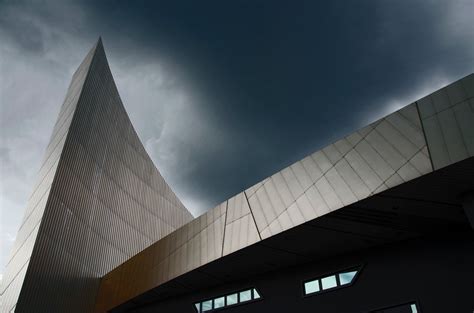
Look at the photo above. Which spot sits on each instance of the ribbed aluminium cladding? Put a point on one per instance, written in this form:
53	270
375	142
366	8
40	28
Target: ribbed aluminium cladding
427	135
98	201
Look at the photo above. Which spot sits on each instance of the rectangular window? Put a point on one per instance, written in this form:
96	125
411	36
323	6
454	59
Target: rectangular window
330	282
207	305
219	302
311	286
232	299
244	296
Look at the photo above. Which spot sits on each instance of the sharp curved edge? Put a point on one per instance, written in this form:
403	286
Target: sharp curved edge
427	135
98	201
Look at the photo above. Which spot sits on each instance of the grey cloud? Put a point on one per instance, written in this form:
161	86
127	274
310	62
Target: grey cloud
36	66
40	50
220	124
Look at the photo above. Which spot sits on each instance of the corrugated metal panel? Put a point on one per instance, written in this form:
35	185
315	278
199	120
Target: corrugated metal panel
99	200
103	199
382	155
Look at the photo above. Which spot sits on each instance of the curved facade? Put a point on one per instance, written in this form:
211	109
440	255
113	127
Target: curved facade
423	137
98	201
104	232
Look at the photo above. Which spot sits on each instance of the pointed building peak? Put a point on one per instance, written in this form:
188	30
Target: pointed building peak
96	53
97	46
99	42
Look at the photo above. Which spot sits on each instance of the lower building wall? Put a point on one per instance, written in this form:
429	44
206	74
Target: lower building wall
437	273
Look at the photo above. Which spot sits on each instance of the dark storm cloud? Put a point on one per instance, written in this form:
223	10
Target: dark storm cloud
222	93
282	79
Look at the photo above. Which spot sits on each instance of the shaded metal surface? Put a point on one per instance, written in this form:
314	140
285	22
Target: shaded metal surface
390	152
99	200
393	273
428	206
448	118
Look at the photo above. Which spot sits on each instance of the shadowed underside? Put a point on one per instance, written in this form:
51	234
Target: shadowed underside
103	231
349	187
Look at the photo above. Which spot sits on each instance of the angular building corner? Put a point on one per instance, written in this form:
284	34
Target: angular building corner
103	232
417	161
98	201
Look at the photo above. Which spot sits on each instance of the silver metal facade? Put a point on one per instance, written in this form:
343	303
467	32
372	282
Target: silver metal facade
448	118
98	201
389	152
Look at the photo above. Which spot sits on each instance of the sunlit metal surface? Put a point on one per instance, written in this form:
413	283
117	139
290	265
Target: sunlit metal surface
99	200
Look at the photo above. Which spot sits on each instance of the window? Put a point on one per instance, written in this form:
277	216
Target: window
406	308
255	294
311	286
347	277
329	282
207	305
244	296
219	302
232	299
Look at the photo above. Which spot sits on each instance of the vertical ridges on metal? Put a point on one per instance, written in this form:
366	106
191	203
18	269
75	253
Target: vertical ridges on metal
98	201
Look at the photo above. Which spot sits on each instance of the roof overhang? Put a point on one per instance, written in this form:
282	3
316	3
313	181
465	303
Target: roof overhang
430	205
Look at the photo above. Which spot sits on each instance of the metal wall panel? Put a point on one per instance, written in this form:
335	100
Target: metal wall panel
98	201
22	249
240	228
105	199
382	155
447	116
199	242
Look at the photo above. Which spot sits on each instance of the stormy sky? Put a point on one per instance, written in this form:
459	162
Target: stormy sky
222	93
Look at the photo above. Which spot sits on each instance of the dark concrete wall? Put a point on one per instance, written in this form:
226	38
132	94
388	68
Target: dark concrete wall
437	273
